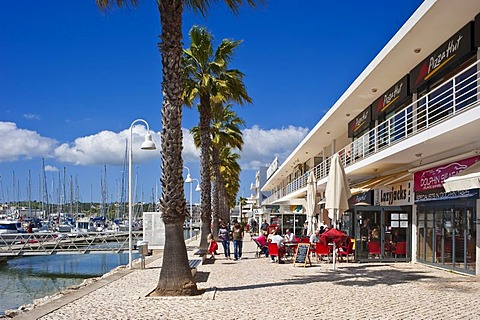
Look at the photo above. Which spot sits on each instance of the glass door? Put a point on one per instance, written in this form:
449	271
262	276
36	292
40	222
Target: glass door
382	234
368	231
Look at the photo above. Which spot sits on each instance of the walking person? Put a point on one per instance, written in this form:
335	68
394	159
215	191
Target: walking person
237	241
224	235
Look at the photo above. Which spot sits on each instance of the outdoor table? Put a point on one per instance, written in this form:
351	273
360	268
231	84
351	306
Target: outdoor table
290	248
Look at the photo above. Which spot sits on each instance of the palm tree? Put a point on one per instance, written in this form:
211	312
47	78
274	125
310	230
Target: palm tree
226	132
241	203
175	275
230	172
208	80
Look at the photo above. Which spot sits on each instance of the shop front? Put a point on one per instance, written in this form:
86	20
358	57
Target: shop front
289	217
446	221
382	231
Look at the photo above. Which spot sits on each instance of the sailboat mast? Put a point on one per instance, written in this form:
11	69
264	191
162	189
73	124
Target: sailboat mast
29	191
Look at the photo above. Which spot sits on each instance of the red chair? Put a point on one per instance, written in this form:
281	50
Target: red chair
322	250
346	251
374	248
400	248
275	251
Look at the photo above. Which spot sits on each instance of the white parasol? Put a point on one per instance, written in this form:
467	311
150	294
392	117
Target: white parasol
311	203
337	193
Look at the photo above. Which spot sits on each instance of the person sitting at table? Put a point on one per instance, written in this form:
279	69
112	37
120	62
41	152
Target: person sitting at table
289	236
315	237
397	237
375	234
322	230
262	241
275	237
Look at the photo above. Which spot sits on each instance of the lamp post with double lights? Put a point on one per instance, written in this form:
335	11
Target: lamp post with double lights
147	144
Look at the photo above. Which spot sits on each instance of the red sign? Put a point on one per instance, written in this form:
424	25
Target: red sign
433	178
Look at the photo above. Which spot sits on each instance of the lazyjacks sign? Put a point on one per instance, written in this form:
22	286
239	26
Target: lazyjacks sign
399	194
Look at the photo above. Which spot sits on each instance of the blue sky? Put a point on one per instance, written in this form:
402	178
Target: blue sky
73	78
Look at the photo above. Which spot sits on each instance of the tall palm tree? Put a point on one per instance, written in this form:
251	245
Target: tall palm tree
207	80
175	275
230	172
226	132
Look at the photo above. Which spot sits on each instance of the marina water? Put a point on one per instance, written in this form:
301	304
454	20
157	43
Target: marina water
27	278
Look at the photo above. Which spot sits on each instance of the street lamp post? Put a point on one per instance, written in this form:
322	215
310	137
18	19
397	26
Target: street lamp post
189	180
147	144
197	188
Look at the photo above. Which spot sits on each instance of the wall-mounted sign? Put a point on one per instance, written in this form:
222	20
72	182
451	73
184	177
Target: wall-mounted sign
441	194
433	178
390	99
361	122
399	194
364	198
453	50
272	167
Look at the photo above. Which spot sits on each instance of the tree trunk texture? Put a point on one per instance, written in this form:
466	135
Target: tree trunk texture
217	184
225	208
206	186
175	275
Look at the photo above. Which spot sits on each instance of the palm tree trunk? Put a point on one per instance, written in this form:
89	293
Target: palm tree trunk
175	275
225	206
206	186
216	188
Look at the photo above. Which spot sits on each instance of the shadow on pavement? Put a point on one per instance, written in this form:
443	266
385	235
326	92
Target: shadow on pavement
361	276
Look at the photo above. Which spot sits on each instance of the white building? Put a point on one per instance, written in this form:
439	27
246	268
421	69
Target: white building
408	122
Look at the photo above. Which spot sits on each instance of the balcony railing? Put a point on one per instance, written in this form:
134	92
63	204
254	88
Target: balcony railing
454	96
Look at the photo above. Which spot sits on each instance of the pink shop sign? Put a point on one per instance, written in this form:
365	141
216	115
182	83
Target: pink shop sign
433	178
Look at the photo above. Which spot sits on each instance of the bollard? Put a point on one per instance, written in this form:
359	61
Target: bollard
143	251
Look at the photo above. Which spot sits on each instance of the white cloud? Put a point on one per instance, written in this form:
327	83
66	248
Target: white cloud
107	147
31	116
190	152
19	144
50	168
262	146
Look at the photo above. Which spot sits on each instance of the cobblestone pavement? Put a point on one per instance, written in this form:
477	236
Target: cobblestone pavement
254	288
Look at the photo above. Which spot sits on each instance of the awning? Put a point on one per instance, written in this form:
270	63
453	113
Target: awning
372	183
464	180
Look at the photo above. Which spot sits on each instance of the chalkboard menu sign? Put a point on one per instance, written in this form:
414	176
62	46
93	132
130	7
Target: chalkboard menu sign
302	254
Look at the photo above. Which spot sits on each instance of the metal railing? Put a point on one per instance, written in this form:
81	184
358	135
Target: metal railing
456	95
62	243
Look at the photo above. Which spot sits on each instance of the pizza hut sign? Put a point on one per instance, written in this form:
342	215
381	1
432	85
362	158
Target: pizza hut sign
433	178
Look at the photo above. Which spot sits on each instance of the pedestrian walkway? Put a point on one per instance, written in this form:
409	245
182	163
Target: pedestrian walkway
254	288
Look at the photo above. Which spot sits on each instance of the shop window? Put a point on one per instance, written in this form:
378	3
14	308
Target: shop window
447	234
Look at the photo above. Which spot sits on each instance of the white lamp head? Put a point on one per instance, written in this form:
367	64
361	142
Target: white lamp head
198	188
189	179
148	143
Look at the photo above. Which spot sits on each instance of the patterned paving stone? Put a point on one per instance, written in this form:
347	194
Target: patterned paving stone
254	288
